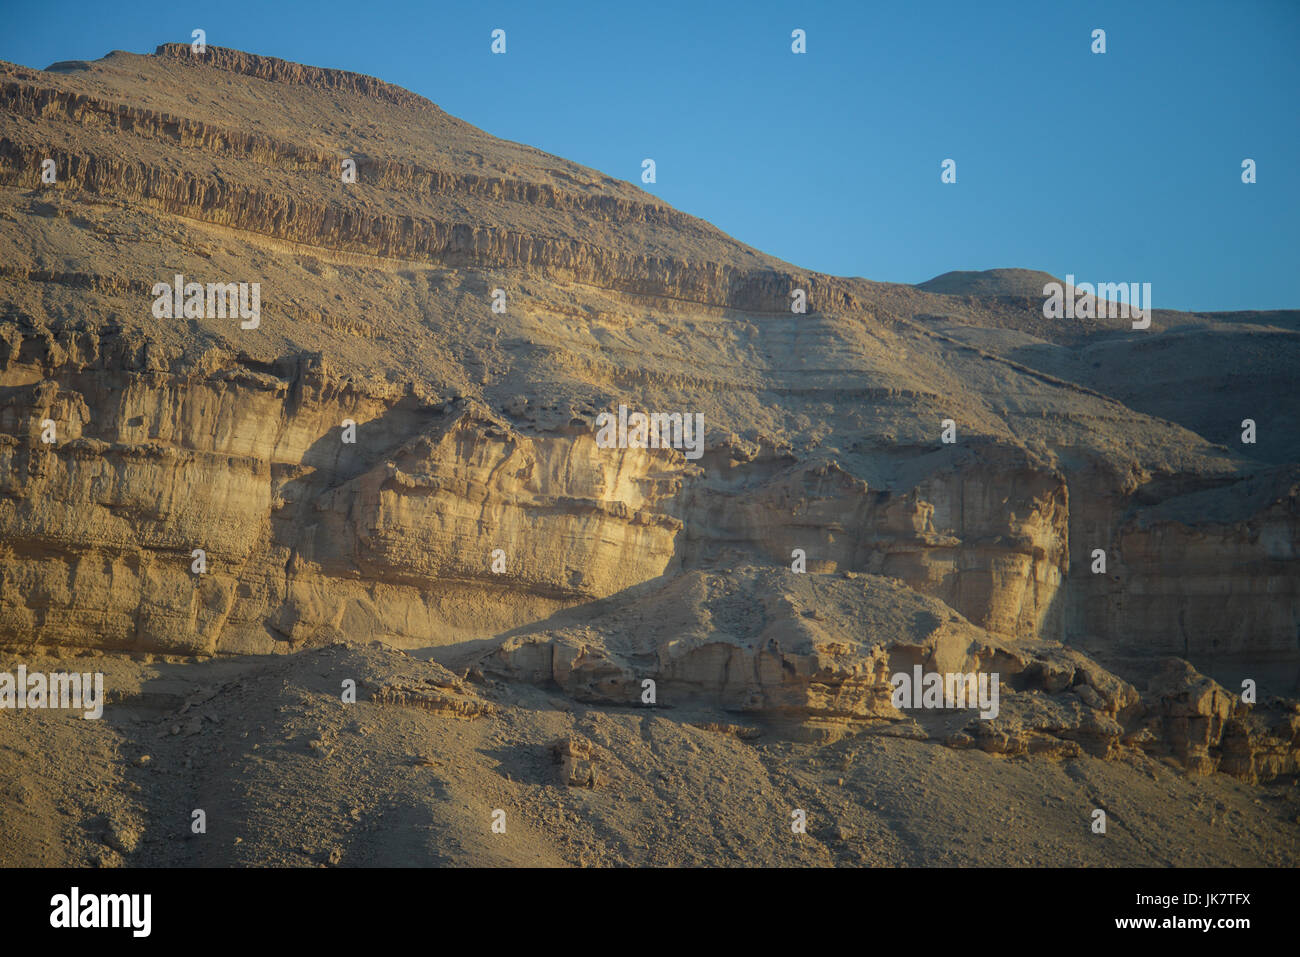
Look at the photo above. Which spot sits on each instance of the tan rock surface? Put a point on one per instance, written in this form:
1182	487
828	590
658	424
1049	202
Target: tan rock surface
475	519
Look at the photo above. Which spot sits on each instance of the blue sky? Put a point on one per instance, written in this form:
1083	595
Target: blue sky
1121	167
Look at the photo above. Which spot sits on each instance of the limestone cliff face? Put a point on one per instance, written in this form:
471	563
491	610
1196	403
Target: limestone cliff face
988	534
1204	573
304	534
358	230
97	167
251	466
472	502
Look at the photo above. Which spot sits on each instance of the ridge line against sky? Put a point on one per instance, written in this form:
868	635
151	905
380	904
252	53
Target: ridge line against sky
1115	167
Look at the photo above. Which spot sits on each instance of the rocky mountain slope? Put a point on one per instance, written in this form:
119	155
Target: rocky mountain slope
475	517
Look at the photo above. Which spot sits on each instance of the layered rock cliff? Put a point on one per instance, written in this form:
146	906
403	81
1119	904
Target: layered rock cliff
385	455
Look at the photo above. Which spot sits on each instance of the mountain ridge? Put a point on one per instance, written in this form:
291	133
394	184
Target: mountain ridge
474	515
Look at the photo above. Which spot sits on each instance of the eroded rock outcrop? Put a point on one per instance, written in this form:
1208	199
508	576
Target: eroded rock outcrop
821	654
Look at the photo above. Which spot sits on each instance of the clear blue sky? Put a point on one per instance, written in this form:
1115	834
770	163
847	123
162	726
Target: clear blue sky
1117	167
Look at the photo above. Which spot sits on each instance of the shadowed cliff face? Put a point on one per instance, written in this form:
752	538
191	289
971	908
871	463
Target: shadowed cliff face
386	456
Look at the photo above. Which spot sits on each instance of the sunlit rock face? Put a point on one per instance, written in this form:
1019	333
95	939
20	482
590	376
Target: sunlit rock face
404	446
